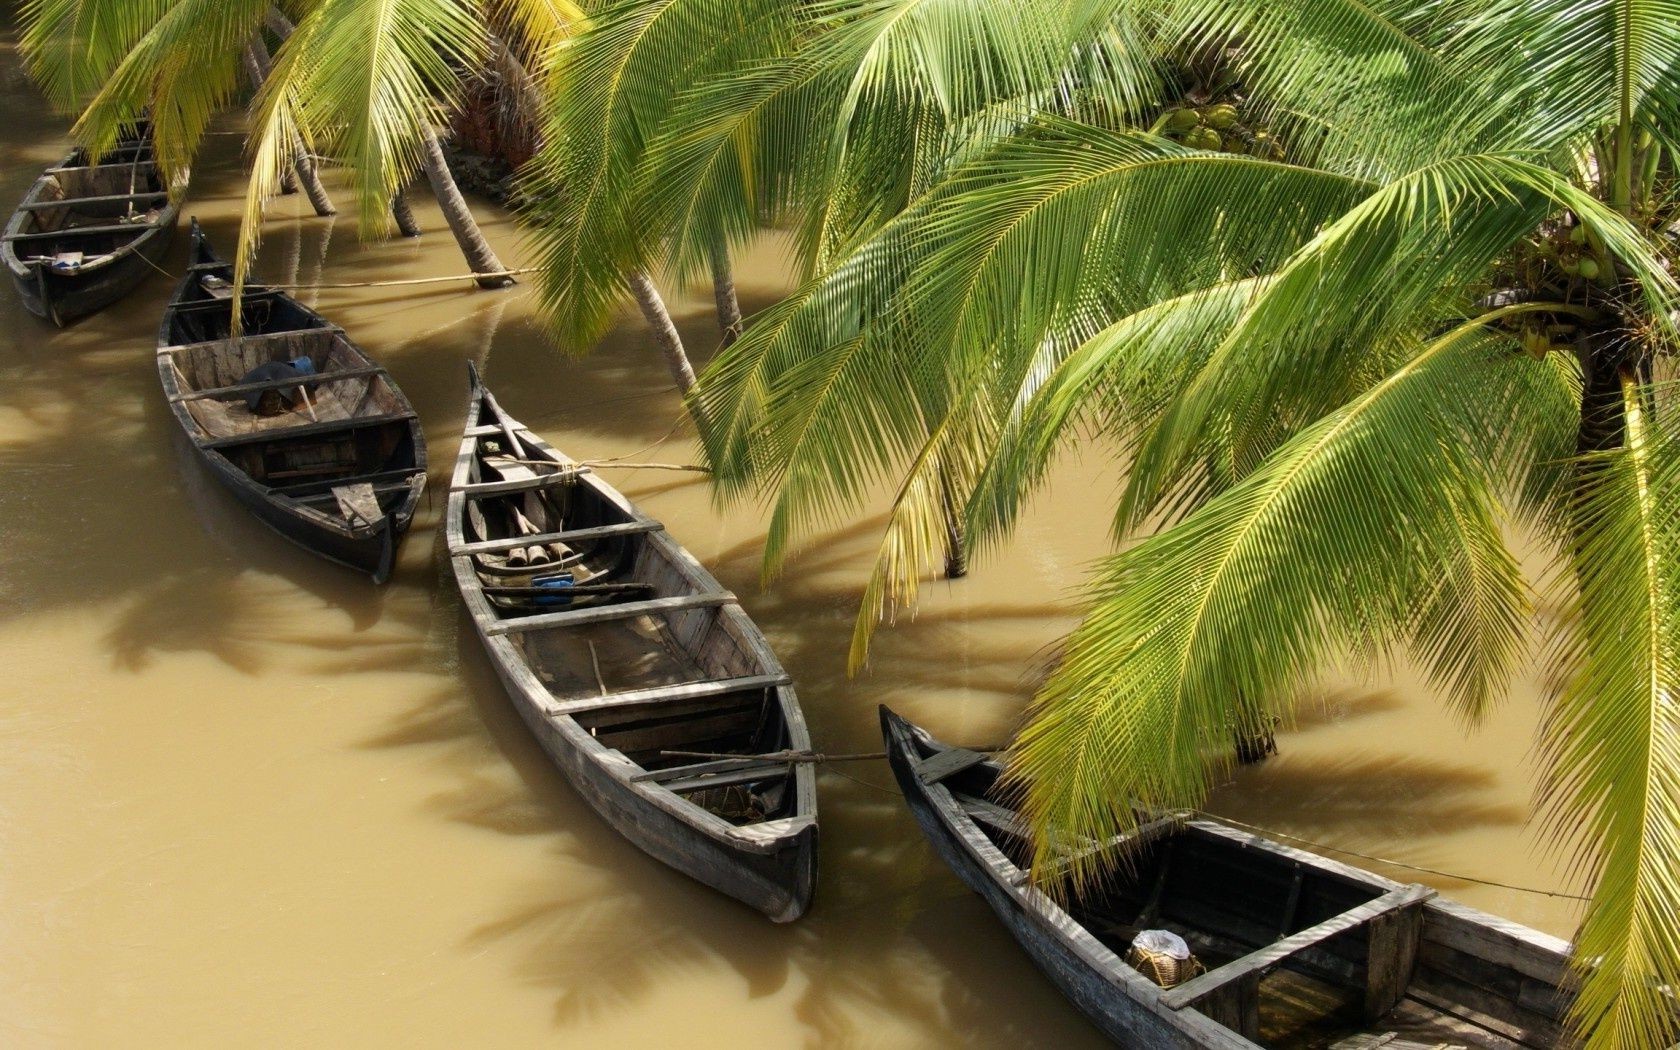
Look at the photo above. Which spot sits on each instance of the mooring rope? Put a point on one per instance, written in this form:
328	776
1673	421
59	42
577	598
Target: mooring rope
817	757
1272	833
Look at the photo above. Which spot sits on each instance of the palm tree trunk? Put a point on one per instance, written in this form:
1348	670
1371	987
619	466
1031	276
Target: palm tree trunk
664	330
257	64
723	291
956	544
406	223
480	256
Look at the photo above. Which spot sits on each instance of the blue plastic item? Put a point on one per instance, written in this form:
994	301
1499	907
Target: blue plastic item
559	584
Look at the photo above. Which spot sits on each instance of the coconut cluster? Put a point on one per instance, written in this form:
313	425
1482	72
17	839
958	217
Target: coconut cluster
1218	126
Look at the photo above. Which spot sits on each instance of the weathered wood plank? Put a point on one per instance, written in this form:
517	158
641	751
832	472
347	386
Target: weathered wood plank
313	379
1270	956
308	430
112	198
577	617
697	769
731	778
1236	1005
628	528
948	763
79	231
1390	957
481	489
668	693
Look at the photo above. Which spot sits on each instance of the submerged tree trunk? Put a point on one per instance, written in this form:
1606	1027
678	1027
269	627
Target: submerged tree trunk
723	292
1254	734
480	256
404	215
956	544
664	330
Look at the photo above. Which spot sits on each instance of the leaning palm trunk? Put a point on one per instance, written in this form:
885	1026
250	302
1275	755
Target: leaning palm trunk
303	173
480	256
664	330
723	291
956	544
407	225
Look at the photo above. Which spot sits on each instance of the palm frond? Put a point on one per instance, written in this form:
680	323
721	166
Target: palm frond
1613	741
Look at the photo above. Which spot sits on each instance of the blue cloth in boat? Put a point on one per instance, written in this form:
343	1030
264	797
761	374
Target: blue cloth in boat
263	373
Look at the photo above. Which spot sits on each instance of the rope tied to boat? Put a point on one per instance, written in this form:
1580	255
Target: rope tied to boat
818	757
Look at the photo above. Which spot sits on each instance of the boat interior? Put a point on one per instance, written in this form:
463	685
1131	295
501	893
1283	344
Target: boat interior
343	424
94	210
611	624
1295	955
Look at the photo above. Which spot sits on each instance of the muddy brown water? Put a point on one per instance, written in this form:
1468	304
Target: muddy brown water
249	799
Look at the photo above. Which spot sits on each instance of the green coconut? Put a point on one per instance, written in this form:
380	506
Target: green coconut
1183	119
1587	267
1578	234
1221	116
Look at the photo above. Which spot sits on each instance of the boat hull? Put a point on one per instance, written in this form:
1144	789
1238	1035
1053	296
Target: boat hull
369	550
769	864
778	884
1083	981
65	298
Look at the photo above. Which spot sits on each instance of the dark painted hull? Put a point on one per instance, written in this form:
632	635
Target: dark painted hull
64	298
370	550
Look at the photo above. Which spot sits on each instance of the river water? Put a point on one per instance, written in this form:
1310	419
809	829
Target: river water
250	799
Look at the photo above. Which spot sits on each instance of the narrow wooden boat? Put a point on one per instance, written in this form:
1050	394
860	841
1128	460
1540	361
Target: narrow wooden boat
639	674
339	469
89	230
1298	950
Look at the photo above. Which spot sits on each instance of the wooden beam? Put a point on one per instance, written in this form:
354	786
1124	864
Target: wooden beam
481	489
308	430
698	769
1391	957
628	528
682	691
947	764
279	384
1269	957
994	816
1144	833
114	198
601	614
349	479
488	429
746	775
80	231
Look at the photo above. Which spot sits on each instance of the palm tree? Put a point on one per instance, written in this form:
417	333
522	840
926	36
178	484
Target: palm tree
360	80
1350	285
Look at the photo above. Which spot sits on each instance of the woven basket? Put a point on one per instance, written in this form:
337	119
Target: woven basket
1163	969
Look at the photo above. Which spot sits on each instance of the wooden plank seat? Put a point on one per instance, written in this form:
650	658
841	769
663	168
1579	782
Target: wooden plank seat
627	610
256	296
326	495
1230	994
994	816
77	231
947	764
628	528
320	485
330	426
1142	835
313	379
490	429
113	198
481	489
657	693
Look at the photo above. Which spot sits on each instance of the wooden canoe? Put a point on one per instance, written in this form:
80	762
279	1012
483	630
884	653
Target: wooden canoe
1300	950
618	648
88	231
339	471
